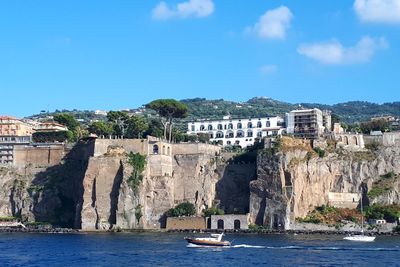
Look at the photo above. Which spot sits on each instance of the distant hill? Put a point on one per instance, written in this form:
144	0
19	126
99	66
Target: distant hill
349	112
201	108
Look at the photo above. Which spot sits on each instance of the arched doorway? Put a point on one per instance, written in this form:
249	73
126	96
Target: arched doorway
220	224
236	224
155	149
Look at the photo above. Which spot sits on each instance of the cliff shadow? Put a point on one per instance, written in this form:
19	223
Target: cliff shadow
57	191
114	195
233	189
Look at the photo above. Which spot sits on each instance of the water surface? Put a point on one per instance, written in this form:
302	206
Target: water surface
165	249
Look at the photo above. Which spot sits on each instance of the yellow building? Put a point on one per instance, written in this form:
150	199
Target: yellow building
10	126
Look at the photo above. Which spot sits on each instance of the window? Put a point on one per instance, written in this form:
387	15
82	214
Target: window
230	126
268	124
236	224
202	127
220	224
249	133
220	134
229	134
210	127
259	124
228	142
193	128
211	135
155	149
239	134
219	126
237	142
259	134
249	125
239	125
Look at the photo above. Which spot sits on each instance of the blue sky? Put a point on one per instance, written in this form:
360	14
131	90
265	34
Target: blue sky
122	54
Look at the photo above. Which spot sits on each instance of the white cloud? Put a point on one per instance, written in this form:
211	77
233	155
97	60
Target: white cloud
268	69
273	24
385	11
190	8
334	53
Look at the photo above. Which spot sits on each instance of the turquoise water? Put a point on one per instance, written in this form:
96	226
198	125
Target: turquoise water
163	249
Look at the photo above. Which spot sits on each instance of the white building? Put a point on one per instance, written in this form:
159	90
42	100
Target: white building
241	132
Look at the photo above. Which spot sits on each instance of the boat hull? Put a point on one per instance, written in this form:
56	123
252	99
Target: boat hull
208	243
360	238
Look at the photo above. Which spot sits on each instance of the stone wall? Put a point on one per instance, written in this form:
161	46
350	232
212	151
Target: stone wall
229	221
186	223
350	140
38	155
130	145
195	148
344	200
386	139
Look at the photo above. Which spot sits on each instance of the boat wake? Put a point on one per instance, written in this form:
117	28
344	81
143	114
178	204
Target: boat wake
306	248
246	246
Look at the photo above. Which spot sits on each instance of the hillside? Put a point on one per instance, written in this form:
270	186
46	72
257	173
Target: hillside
201	108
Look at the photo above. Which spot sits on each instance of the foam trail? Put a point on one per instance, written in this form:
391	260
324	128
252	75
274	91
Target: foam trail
247	246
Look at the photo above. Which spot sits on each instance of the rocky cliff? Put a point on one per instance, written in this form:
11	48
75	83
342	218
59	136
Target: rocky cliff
109	202
293	179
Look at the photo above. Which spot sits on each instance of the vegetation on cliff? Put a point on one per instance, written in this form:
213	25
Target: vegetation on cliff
183	209
213	211
382	185
138	162
331	215
390	213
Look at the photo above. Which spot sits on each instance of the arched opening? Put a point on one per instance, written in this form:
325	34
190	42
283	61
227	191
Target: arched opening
355	140
229	134
239	134
155	149
219	127
230	126
259	134
202	127
268	124
249	125
249	133
259	125
220	224
346	140
211	135
210	127
163	150
168	151
219	135
236	224
239	125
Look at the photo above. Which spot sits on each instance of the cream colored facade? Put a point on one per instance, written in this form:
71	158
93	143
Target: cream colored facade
10	126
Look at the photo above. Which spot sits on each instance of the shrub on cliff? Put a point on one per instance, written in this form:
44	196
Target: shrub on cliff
138	162
389	213
183	209
213	211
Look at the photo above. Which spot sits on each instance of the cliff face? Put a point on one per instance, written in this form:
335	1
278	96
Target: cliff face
109	201
294	181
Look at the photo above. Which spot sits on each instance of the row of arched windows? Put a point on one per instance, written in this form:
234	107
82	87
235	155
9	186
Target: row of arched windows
231	134
230	126
164	150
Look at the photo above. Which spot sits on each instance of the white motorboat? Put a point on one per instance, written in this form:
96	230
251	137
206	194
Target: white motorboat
214	241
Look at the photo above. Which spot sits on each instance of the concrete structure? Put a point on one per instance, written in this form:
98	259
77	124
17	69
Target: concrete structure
39	154
306	123
337	128
377	221
350	140
240	132
343	200
386	139
7	145
186	223
230	222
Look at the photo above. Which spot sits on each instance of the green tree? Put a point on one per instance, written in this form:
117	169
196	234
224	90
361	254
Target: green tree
168	109
155	128
74	127
119	120
67	120
137	125
101	128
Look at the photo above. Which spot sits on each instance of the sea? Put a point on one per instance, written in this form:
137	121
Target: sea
170	249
